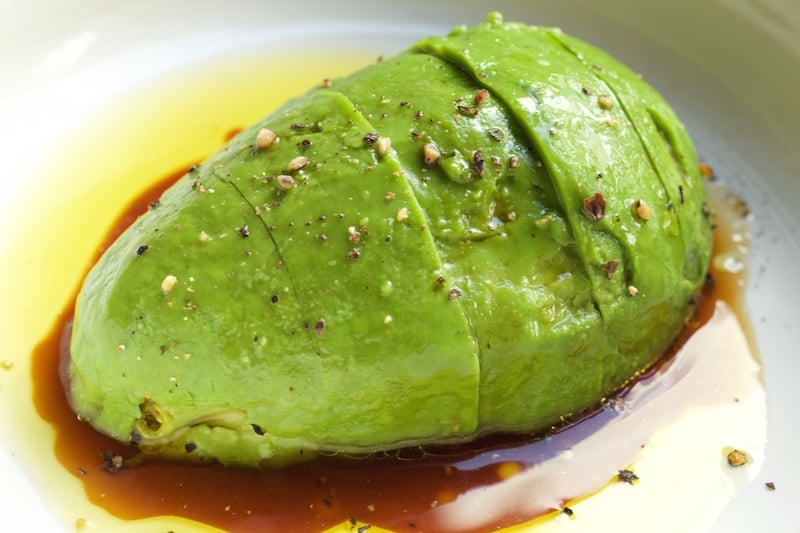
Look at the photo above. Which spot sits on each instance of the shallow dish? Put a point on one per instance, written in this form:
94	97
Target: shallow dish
731	69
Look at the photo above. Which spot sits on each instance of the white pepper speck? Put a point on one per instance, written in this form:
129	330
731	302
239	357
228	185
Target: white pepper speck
430	154
297	163
643	210
168	283
383	145
285	182
605	101
265	138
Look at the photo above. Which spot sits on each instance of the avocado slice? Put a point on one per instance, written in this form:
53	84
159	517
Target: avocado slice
487	232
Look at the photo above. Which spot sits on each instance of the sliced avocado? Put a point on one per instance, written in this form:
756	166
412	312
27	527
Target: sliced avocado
595	127
487	232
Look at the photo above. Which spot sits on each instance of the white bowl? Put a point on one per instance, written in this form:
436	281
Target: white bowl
731	69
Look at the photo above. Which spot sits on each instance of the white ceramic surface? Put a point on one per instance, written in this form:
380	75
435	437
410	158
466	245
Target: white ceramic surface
731	68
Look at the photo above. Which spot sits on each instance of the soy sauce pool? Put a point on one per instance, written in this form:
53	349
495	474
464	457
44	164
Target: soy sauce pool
403	491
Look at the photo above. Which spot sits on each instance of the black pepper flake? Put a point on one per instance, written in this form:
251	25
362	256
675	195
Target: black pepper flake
364	528
496	134
627	476
680	191
142	249
609	267
404	103
770	485
193	168
478	163
257	429
567	511
371	137
353	253
388	238
299	126
136	437
112	462
467	110
305	143
595	206
744	209
454	293
274	298
710	281
586	90
154	204
417	134
244	231
319	327
418	115
190	447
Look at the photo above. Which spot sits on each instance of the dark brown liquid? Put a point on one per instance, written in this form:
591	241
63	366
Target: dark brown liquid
397	492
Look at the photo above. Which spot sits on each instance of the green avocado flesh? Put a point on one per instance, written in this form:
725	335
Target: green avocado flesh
488	232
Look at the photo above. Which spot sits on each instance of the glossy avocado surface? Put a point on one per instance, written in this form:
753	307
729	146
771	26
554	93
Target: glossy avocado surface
487	232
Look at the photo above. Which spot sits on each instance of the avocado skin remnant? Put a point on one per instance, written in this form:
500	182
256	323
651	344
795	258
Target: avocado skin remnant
487	232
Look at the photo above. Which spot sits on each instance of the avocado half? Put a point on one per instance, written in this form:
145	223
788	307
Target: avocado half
485	233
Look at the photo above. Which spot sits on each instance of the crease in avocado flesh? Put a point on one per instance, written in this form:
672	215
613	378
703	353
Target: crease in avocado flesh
441	245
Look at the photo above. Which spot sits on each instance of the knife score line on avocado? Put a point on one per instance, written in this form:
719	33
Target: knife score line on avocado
673	141
546	300
266	229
